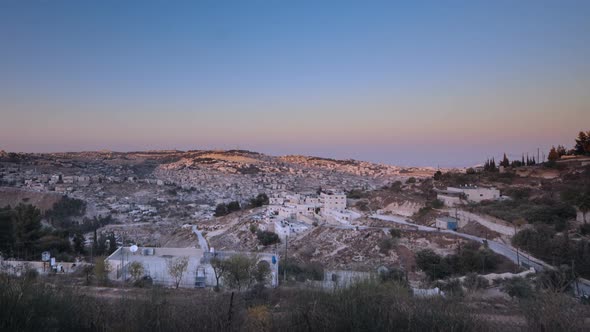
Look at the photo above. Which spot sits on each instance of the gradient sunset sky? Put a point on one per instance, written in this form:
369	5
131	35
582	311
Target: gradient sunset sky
446	83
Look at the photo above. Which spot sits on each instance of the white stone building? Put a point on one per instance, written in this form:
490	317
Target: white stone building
333	200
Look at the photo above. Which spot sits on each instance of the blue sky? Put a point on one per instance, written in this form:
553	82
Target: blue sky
417	83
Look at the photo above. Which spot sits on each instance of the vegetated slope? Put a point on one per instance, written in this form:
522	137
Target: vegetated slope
14	196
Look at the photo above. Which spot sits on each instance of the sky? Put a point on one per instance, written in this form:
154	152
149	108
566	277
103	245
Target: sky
416	83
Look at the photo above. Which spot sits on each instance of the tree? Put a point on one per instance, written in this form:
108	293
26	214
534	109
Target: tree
233	206
177	267
553	155
219	270
101	270
582	143
79	242
438	175
395	233
27	226
396	186
518	287
136	270
221	210
561	151
62	211
505	162
432	264
239	271
261	271
6	232
412	180
258	201
558	280
88	270
267	238
490	165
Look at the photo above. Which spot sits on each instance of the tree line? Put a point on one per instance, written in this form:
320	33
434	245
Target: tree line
22	235
581	148
223	209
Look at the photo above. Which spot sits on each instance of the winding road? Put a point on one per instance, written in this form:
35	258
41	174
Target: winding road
202	242
497	247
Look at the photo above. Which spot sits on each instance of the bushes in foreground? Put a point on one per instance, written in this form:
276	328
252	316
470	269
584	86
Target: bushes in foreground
28	305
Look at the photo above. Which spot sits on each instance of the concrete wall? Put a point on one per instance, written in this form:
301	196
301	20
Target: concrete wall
19	267
156	265
406	209
491	223
449	200
344	279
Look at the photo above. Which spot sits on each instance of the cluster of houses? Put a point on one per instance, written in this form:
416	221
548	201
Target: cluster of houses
225	180
33	179
293	213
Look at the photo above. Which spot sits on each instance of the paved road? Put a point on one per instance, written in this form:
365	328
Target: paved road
499	248
202	242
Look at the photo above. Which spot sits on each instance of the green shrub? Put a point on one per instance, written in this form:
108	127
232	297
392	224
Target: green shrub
395	233
436	204
267	238
385	245
518	287
473	281
303	271
470	258
258	201
253	228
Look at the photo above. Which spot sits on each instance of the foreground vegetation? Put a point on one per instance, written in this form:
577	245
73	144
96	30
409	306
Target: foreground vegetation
31	305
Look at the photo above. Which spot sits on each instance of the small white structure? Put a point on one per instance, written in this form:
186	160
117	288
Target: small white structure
343	217
285	228
477	194
455	195
427	292
199	271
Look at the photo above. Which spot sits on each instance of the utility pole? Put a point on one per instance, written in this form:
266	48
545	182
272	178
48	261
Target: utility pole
574	276
285	267
517	258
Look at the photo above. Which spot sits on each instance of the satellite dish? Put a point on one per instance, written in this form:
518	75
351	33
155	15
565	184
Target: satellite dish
133	248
